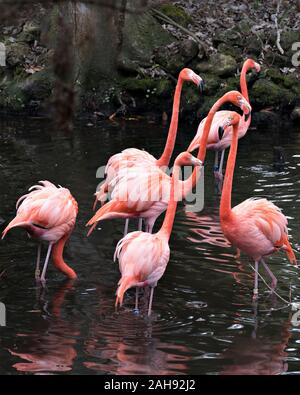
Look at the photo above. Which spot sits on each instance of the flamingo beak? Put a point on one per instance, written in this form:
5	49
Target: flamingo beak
221	132
197	162
257	67
201	86
247	116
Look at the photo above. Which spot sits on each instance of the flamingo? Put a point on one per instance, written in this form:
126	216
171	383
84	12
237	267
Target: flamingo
133	156
143	257
220	139
143	192
48	214
255	226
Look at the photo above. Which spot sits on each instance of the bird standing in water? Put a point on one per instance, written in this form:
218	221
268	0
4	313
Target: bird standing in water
48	214
219	139
255	226
143	257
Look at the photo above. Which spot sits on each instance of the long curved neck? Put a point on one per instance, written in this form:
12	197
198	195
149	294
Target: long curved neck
58	260
244	91
164	160
225	206
243	80
190	182
167	225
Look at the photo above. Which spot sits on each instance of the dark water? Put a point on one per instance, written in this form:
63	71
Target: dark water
203	321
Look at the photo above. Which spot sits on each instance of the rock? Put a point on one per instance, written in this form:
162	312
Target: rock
141	35
176	56
16	54
288	38
176	13
232	50
38	86
219	64
295	115
265	119
30	33
266	93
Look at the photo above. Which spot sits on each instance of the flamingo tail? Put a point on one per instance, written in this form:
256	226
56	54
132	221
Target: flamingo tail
124	284
290	254
17	223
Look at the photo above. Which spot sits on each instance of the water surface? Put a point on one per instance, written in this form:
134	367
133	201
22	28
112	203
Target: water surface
203	320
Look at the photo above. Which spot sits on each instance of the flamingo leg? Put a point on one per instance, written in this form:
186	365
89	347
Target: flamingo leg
270	273
136	298
140	227
221	165
255	290
150	300
38	260
216	164
43	276
126	226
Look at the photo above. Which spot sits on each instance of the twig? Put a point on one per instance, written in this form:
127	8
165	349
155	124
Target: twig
167	19
280	49
268	286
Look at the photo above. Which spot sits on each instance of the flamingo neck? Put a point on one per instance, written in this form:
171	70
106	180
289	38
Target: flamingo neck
225	205
58	260
244	90
191	182
167	225
164	160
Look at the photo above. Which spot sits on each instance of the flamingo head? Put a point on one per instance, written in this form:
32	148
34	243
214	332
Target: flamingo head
187	159
189	75
238	100
251	64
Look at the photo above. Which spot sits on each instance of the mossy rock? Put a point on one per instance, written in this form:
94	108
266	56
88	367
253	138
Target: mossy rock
212	84
11	96
232	50
175	57
141	35
38	86
176	13
220	64
275	75
292	82
16	54
31	32
266	93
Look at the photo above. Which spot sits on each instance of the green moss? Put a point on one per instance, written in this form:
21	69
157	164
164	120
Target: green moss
267	93
138	85
176	13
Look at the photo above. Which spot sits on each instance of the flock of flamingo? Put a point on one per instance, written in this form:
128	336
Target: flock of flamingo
256	226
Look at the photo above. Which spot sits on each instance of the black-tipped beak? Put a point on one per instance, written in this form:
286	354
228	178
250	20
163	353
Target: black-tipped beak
247	116
220	132
201	86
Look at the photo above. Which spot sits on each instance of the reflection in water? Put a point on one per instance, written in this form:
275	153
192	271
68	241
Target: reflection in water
53	348
253	355
203	317
136	352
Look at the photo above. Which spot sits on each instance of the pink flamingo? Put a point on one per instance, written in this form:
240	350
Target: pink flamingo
143	257
47	213
255	226
132	156
220	139
144	192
